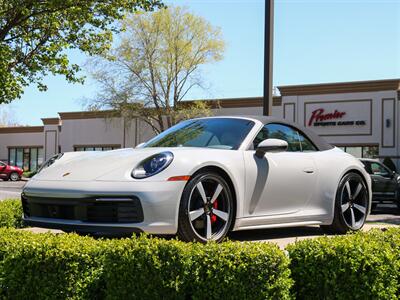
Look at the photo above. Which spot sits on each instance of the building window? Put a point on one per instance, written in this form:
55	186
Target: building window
96	148
361	151
26	158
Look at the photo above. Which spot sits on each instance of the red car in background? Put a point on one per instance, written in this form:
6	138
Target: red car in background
8	172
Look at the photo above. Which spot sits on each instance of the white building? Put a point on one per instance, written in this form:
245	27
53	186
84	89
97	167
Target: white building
361	117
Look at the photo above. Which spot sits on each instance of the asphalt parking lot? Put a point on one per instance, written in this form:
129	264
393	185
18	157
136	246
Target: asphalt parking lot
11	190
385	215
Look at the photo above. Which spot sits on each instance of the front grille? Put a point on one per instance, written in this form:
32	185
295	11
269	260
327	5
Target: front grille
117	210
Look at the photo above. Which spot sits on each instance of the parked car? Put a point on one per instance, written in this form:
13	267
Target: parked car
385	182
8	172
201	179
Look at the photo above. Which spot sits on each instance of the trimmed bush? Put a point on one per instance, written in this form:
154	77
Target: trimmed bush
194	271
355	266
11	214
29	174
48	266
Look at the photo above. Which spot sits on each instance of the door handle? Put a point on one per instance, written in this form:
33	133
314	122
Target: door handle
308	170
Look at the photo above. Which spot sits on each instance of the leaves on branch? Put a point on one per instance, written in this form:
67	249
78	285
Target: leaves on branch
154	66
35	34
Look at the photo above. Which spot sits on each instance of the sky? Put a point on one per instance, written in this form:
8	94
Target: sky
315	41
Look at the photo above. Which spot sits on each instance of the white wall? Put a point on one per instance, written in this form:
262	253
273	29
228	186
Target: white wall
91	132
18	139
377	122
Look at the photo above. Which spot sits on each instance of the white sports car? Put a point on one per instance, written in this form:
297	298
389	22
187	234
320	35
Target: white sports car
201	179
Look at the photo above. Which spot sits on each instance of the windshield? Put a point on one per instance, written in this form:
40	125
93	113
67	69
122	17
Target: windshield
223	133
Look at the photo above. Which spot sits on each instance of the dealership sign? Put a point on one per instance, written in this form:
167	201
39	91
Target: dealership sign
352	117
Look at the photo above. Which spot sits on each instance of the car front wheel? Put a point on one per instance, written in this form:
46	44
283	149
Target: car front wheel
206	209
14	176
351	205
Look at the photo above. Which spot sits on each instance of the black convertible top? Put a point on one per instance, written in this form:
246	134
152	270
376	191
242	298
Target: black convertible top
318	141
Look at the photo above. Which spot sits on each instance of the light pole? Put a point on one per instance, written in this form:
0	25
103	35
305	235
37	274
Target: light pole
268	56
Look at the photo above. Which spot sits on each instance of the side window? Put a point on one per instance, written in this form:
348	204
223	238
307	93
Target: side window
278	131
377	169
306	144
296	141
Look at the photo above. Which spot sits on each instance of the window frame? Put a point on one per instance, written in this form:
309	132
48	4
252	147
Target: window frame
361	146
26	150
389	172
85	147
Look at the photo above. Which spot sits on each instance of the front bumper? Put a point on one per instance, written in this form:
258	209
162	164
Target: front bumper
66	205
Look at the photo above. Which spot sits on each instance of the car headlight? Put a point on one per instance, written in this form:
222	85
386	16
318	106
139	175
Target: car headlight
398	179
50	161
153	165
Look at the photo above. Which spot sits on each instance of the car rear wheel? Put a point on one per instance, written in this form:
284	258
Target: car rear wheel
351	205
14	176
206	209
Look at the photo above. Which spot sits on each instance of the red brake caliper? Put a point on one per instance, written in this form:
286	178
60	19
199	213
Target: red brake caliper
214	217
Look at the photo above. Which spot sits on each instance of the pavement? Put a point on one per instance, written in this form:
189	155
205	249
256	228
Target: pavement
386	215
10	189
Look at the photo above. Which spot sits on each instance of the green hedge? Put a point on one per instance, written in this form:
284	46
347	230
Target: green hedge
11	214
355	266
67	266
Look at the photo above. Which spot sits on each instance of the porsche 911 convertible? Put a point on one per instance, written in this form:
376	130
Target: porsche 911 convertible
201	179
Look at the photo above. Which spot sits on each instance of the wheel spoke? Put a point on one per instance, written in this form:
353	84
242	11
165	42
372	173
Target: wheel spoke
345	206
353	218
358	190
348	189
208	231
218	191
360	208
196	213
200	188
223	215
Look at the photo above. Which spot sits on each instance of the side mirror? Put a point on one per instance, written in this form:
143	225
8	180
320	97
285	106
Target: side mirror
271	145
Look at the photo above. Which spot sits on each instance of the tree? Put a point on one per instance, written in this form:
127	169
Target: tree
34	35
156	63
7	117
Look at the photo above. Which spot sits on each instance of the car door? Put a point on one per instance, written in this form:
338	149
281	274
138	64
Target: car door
384	185
279	183
376	186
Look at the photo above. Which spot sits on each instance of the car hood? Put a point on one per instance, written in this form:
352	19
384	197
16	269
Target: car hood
86	166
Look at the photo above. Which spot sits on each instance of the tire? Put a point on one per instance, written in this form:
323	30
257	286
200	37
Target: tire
351	205
206	209
14	176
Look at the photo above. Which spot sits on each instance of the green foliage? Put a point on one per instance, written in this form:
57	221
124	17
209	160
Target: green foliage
47	266
34	36
11	214
155	65
195	271
68	266
29	174
356	266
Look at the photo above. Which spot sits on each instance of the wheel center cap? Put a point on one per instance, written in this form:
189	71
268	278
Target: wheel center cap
208	208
